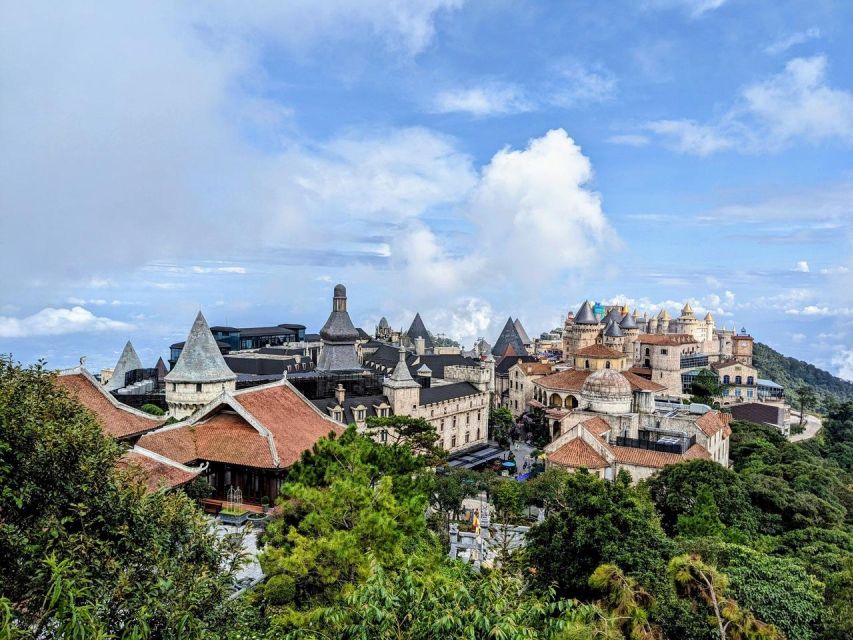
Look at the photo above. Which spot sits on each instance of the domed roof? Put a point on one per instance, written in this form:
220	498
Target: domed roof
607	384
383	323
340	291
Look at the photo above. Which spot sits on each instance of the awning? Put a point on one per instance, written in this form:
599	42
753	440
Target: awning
470	459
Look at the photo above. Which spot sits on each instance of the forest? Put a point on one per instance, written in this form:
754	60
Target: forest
761	550
794	374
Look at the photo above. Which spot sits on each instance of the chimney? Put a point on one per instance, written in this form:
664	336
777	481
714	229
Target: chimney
425	377
340	394
420	345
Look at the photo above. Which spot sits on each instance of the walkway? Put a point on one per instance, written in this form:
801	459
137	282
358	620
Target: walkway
812	425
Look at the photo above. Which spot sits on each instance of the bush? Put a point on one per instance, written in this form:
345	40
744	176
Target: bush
153	409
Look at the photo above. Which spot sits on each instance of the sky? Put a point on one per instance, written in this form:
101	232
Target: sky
467	160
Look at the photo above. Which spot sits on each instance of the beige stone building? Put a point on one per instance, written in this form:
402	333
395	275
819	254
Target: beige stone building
520	380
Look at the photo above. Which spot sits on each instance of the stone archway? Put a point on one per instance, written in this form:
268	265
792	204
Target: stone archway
570	402
556	401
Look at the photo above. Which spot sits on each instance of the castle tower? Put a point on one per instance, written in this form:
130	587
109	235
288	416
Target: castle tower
687	323
383	329
631	331
402	391
651	324
613	337
338	352
584	331
199	375
709	327
742	344
127	362
663	321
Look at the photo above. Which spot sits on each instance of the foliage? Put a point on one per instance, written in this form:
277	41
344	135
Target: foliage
86	550
153	409
676	488
707	386
704	520
707	586
198	488
502	424
447	491
414	434
600	522
626	600
806	399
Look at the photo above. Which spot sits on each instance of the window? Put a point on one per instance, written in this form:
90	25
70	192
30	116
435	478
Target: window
647	351
467	418
454	422
607	364
726	379
441	425
586	364
478	433
198	387
453	442
174	387
383	436
750	380
738	380
749	393
467	437
663	352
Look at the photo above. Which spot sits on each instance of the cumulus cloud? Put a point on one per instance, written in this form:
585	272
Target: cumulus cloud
843	363
802	266
486	100
800	37
53	322
795	105
579	83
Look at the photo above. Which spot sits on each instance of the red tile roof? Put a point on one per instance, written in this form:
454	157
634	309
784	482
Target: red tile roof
672	339
576	453
639	383
157	474
116	420
568	380
536	368
599	351
656	459
710	423
224	435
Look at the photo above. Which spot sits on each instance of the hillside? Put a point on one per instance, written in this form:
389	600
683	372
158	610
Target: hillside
791	373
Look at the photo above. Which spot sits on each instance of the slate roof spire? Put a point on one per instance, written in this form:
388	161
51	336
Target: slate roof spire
200	359
509	341
339	336
127	362
401	377
521	332
585	314
418	330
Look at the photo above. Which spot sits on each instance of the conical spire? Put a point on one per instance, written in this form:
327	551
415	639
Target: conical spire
160	368
585	314
509	340
521	332
613	330
339	336
687	310
708	317
629	321
401	377
127	362
418	330
383	323
200	359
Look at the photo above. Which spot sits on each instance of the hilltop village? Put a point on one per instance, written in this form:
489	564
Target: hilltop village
611	387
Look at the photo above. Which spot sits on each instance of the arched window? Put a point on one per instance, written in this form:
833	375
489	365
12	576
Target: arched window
586	364
647	351
607	364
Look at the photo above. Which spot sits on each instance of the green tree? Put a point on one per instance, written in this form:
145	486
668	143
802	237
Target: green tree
601	522
707	386
153	409
626	601
502	423
806	398
704	521
707	586
415	434
85	549
447	490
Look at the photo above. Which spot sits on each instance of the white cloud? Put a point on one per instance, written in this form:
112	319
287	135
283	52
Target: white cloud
694	8
198	269
795	105
800	37
835	270
629	139
486	100
582	84
54	322
843	363
802	266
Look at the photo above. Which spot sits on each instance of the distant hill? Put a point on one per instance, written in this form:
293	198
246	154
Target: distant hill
791	373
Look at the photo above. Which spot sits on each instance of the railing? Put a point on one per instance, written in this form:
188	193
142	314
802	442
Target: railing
664	447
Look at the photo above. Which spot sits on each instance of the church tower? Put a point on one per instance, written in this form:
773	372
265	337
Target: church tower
199	375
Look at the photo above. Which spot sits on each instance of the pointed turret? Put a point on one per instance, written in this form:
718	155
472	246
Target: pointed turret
613	330
339	336
161	369
127	362
663	315
585	314
383	323
521	332
401	377
687	310
709	318
200	360
419	330
509	342
628	322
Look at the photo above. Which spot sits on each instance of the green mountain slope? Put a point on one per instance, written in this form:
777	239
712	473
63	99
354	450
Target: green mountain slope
791	373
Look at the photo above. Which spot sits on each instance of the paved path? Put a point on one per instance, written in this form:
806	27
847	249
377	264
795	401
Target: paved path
812	425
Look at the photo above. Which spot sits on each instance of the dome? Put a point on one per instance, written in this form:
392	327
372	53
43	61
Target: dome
340	291
607	391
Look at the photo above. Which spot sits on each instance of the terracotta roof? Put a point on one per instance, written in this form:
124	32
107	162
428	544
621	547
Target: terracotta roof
224	432
656	459
568	380
157	474
673	339
577	453
596	425
599	351
716	366
641	371
116	419
639	383
536	368
710	423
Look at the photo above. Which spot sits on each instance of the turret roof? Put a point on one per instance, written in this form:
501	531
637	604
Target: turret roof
613	330
709	317
339	326
383	323
200	359
585	314
509	340
521	332
401	377
418	330
664	314
127	362
628	322
687	309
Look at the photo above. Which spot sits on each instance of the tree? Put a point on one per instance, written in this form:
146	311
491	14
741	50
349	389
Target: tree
707	386
153	409
601	522
85	549
416	434
704	521
706	585
626	601
502	424
806	398
447	491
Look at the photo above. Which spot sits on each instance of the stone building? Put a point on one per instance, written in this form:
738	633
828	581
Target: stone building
339	337
521	378
200	373
128	361
739	380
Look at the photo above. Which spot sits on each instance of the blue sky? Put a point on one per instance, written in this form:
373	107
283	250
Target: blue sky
466	160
